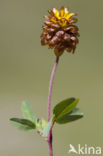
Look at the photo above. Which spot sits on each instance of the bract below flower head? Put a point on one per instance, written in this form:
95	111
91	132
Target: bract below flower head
59	31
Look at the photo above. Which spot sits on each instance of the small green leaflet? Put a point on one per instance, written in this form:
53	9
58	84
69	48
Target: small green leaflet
69	117
47	128
64	107
41	123
28	112
22	124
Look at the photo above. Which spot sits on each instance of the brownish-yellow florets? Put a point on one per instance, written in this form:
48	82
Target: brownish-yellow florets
59	31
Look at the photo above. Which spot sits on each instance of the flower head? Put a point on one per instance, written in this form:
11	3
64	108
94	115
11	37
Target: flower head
59	31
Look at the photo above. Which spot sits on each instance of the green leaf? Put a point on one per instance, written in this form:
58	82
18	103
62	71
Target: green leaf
72	116
64	107
47	128
22	124
28	112
41	123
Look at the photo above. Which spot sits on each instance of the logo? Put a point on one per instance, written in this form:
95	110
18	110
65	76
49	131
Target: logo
85	150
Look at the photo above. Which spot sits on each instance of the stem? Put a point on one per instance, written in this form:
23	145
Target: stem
51	85
50	144
49	139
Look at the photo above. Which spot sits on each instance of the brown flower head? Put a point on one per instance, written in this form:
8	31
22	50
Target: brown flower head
59	31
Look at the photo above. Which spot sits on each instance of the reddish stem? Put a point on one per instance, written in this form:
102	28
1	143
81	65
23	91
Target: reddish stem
49	139
50	144
51	85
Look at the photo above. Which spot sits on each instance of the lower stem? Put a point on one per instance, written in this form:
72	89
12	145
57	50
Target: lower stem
50	144
49	139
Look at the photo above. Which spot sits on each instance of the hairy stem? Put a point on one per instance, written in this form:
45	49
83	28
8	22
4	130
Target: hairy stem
49	139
